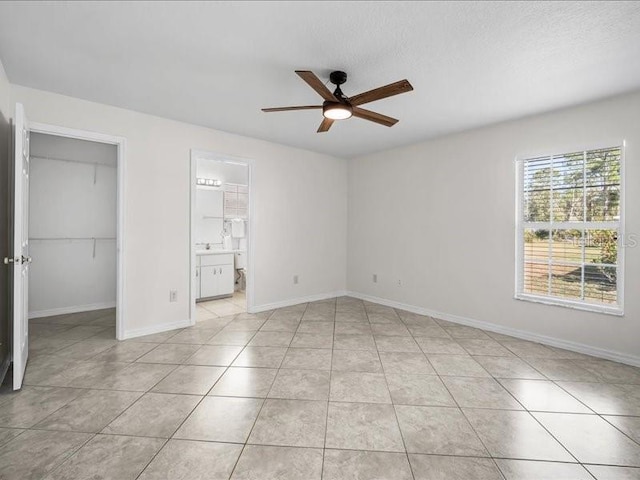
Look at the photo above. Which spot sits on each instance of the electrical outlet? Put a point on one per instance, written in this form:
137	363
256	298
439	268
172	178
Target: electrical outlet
399	282
295	279
375	278
173	295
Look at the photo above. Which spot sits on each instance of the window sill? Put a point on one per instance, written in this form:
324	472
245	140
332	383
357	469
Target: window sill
558	302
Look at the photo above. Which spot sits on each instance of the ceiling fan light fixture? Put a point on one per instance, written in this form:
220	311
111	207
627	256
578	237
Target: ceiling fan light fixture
336	111
337	106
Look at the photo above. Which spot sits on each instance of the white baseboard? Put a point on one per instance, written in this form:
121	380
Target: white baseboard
163	327
296	301
73	309
140	332
513	332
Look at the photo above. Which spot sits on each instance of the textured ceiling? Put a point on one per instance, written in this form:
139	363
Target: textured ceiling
217	63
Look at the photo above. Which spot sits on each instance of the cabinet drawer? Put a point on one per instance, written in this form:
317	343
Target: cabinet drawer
221	259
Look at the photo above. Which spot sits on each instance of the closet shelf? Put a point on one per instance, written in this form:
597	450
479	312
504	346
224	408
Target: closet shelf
39	157
71	238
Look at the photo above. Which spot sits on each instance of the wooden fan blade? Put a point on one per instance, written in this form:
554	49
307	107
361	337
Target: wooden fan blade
315	83
325	125
390	90
374	117
285	109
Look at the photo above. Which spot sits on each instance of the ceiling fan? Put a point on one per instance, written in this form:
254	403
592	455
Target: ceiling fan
337	106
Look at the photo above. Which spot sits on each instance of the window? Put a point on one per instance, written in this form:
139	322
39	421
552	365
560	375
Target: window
569	229
236	201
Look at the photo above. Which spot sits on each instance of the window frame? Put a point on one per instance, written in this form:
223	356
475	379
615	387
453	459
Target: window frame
521	225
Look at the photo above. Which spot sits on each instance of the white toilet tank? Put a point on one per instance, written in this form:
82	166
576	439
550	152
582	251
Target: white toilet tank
240	260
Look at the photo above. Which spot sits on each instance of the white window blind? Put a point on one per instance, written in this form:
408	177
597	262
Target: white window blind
236	201
569	229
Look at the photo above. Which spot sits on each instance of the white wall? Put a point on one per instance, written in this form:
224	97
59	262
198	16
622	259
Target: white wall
440	216
72	200
300	208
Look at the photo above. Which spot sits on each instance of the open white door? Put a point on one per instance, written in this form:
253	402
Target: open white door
21	257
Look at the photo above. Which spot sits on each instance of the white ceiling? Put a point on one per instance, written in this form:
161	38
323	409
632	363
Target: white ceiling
217	63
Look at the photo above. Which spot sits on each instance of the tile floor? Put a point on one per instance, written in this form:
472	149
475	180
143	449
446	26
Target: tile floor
223	307
333	390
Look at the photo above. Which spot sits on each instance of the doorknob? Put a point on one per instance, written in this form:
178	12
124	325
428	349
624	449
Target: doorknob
19	260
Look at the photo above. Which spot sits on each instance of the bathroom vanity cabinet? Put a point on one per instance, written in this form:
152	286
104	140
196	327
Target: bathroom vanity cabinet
215	275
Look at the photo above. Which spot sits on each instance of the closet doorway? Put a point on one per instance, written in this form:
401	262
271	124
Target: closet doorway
221	236
75	239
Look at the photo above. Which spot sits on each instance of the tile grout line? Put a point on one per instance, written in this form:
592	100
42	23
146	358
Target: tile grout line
536	419
264	401
393	405
95	434
279	368
71	454
595	413
459	408
326	419
513	396
171	437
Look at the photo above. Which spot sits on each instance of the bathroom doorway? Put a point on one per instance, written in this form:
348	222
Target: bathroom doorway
221	234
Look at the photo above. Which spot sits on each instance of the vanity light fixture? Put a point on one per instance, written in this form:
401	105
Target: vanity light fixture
209	182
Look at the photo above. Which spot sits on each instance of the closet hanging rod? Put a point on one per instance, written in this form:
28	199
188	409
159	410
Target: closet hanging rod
71	238
40	157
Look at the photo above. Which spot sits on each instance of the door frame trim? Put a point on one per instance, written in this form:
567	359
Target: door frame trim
120	143
226	158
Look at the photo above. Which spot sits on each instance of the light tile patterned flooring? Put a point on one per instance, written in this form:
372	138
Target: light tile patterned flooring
337	389
223	307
